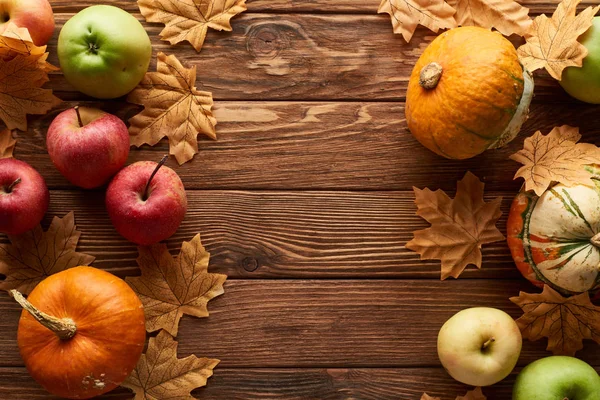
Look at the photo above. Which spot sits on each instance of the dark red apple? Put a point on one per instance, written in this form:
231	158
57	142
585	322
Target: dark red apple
24	197
146	202
87	145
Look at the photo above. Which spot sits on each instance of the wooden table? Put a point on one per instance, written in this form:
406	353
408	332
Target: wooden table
305	201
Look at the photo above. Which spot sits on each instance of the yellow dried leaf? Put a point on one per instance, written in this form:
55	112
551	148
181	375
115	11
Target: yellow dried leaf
507	16
553	41
170	287
7	143
459	226
173	107
17	41
36	254
190	19
475	394
556	157
159	374
428	397
564	321
407	14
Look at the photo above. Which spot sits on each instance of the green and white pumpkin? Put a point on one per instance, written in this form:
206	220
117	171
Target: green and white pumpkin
555	238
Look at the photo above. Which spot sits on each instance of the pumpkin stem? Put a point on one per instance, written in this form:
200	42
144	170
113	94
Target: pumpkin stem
595	240
430	75
64	328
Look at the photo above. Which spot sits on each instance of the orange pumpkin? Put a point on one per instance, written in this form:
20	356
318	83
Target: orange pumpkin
81	333
467	93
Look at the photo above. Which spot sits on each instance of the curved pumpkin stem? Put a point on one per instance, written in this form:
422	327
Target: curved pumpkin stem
430	75
595	240
64	328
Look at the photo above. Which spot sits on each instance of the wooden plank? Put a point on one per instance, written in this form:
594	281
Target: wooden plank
307	145
301	57
327	323
286	234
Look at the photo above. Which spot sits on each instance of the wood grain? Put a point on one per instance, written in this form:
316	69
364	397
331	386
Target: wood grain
327	323
286	234
321	145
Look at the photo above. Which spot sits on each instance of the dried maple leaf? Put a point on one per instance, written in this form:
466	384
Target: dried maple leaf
170	287
556	157
17	41
507	16
20	90
407	14
428	397
159	374
7	143
552	42
36	254
564	321
173	107
475	394
190	19
459	226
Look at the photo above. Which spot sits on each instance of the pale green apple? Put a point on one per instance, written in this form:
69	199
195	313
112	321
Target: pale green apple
584	83
104	51
557	378
479	346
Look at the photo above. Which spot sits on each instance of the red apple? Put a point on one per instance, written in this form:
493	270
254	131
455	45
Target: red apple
146	202
35	15
24	197
87	145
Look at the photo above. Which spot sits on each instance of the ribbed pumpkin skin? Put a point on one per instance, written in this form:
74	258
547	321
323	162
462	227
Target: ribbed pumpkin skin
109	340
476	97
549	238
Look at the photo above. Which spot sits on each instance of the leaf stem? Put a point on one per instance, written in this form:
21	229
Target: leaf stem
160	164
78	116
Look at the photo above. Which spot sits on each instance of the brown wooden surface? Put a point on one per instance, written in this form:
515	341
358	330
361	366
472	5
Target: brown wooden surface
305	201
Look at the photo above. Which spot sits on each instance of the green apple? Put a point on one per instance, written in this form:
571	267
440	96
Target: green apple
104	51
557	378
479	346
584	83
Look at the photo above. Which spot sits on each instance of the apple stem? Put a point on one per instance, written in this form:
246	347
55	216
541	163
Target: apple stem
78	116
160	164
12	185
488	343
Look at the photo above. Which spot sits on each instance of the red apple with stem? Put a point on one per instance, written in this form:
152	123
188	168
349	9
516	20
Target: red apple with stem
24	197
87	145
35	15
146	202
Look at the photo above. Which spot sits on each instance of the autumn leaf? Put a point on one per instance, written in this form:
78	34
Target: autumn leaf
459	226
17	41
475	394
564	321
7	144
173	107
556	157
428	397
159	374
553	41
407	14
36	254
507	16
190	19
170	287
20	91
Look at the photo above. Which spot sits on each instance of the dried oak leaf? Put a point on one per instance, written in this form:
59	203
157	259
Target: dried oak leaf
17	41
407	14
552	42
475	394
7	143
36	254
159	374
190	19
564	321
20	90
173	107
170	287
459	226
507	16
556	157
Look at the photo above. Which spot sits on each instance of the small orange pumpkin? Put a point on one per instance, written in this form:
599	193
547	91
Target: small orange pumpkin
81	332
467	93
